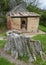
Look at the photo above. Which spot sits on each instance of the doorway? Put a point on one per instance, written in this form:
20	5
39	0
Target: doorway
24	23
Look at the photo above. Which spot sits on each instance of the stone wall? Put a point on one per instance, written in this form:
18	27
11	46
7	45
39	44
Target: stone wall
33	23
9	22
15	23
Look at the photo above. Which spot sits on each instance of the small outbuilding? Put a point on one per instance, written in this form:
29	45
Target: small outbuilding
22	20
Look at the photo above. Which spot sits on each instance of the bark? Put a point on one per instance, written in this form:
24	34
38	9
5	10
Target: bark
20	45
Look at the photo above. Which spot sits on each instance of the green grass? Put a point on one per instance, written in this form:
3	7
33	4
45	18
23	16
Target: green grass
2	43
4	61
42	38
43	28
39	61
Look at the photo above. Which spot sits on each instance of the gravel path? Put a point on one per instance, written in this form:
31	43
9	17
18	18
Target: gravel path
11	59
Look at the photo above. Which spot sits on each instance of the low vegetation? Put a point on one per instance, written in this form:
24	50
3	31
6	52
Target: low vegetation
4	61
42	38
39	61
3	34
43	28
24	58
2	43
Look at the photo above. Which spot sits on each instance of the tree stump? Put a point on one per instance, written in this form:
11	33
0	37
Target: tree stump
18	44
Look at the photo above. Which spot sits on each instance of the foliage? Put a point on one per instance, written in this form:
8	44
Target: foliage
43	28
33	8
3	23
4	5
4	61
43	18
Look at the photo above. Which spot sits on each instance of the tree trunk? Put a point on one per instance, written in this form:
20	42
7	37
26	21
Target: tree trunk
20	45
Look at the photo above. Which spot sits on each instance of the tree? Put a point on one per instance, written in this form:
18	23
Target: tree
43	18
4	5
33	2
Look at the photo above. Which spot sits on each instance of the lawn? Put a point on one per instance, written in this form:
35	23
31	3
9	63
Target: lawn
4	61
43	28
42	38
